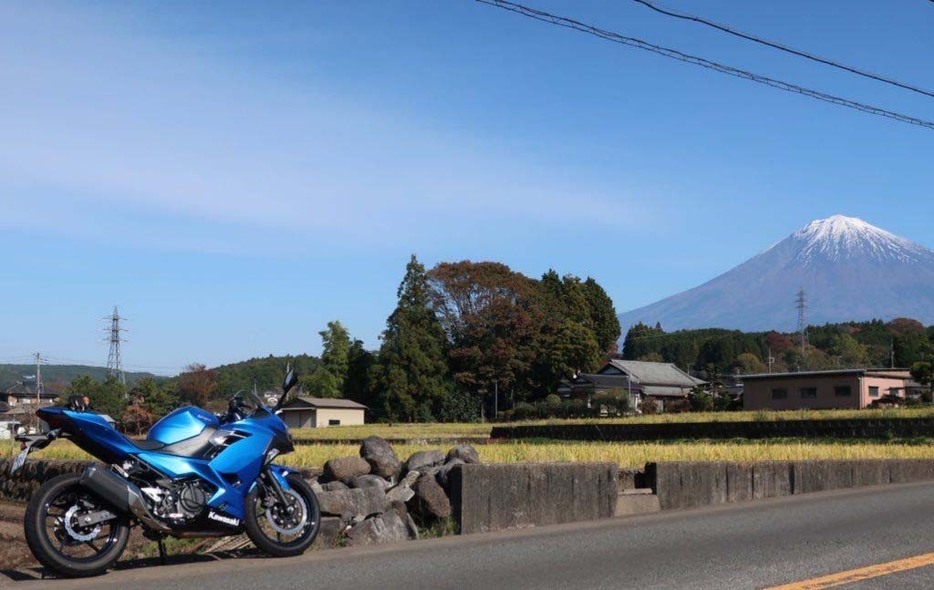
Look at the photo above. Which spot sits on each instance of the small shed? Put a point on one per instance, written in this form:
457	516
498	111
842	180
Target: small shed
319	412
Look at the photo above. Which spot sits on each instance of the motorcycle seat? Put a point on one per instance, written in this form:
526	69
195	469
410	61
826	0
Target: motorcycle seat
147	445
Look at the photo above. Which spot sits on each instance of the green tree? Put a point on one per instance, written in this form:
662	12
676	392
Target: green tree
83	386
328	378
412	377
850	352
749	363
157	400
603	317
566	342
923	373
640	341
110	398
357	385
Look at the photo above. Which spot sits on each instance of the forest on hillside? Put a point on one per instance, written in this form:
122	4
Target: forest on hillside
713	353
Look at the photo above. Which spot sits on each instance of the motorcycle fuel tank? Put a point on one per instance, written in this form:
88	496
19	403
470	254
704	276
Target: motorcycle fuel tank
182	424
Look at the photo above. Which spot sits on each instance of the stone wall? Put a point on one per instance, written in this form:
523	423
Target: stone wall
496	497
693	484
27	480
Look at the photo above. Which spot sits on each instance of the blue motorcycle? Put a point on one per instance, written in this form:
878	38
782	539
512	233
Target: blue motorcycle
195	475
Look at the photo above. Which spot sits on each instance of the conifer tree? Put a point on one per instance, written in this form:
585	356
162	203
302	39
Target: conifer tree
413	380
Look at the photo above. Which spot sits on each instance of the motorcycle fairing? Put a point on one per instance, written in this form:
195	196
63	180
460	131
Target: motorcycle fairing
232	472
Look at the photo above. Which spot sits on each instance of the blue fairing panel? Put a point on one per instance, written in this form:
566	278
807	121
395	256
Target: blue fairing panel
182	424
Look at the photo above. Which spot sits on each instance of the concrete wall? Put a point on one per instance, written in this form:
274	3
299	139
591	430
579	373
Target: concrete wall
347	417
497	497
693	484
320	418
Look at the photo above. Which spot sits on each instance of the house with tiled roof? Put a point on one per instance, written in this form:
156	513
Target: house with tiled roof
660	384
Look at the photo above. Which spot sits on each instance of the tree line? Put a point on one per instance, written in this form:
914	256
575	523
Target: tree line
462	337
715	353
467	335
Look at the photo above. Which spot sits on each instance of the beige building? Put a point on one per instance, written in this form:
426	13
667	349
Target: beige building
846	388
318	412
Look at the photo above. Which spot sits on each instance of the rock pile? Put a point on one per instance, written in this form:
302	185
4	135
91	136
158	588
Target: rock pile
376	498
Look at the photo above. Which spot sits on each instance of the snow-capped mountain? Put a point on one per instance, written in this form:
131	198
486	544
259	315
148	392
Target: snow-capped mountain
849	270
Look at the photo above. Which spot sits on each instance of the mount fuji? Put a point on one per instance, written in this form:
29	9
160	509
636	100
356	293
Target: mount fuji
849	270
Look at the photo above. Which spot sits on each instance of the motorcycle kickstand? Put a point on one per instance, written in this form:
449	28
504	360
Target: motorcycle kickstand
162	556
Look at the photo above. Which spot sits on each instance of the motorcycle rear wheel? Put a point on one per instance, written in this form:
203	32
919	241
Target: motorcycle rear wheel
59	542
275	529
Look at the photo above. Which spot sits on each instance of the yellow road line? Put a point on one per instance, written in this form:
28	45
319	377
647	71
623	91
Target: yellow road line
860	574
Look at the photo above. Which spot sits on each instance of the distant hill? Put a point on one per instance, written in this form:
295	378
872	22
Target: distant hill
849	270
266	373
59	376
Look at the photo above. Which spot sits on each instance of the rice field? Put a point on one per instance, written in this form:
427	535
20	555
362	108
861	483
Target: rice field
626	455
343	441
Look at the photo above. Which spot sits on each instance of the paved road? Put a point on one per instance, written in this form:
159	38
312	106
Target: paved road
753	545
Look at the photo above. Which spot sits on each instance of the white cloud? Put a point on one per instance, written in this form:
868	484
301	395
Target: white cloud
188	151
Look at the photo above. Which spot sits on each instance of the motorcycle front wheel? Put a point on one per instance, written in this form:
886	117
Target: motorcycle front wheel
283	530
57	538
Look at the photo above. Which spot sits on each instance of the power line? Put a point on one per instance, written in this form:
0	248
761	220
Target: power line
702	62
785	48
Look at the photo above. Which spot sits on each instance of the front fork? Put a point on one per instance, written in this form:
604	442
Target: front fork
273	478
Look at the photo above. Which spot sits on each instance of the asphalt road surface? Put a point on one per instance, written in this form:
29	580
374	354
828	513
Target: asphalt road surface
752	545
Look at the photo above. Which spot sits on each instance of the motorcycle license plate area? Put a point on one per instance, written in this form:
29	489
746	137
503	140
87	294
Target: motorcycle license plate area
19	461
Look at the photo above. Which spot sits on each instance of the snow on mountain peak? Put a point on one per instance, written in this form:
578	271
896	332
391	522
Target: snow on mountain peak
840	237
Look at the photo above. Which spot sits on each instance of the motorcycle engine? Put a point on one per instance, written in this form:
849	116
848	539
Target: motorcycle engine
179	501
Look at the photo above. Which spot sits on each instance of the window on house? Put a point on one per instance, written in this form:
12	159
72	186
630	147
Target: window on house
841	391
873	391
808	393
779	394
333	422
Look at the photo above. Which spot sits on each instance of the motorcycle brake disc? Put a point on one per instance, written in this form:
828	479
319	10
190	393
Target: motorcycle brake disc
286	524
74	534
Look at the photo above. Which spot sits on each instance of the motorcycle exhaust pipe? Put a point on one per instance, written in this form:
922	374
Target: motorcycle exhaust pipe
122	494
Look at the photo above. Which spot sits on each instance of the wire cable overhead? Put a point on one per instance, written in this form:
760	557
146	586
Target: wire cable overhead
702	62
785	48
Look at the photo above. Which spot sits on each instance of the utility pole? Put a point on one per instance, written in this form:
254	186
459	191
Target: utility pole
114	363
771	359
38	379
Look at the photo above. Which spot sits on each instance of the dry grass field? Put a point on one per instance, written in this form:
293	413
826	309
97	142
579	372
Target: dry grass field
344	440
626	455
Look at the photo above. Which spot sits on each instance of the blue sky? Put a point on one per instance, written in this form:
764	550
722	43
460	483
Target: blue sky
235	176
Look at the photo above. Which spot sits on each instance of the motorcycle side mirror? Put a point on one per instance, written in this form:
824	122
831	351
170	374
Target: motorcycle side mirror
289	382
291	379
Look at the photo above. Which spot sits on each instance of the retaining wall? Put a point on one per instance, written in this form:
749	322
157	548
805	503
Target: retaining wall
858	428
497	497
28	479
693	484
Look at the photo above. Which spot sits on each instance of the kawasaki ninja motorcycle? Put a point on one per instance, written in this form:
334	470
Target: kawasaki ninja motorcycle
195	475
